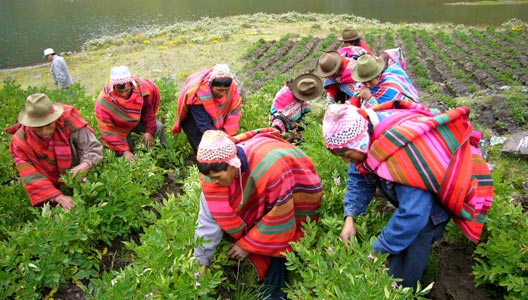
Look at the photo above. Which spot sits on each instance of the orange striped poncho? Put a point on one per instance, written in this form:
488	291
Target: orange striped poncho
117	116
437	153
41	163
265	208
225	112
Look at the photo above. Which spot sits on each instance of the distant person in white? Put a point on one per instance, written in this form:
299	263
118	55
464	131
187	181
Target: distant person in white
59	69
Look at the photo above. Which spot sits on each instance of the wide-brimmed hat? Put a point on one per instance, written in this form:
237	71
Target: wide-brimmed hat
367	68
39	111
328	64
120	75
349	34
48	51
307	86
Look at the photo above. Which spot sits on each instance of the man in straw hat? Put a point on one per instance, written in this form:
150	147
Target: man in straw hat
381	82
351	39
128	104
425	173
48	140
259	189
290	105
209	99
59	69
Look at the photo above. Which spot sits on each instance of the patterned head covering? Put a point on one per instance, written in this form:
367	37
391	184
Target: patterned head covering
217	147
344	127
120	75
220	71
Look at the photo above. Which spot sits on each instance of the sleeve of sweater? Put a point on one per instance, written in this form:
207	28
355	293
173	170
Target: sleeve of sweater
86	147
210	231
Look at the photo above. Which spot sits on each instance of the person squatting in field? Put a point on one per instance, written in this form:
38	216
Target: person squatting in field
382	80
351	39
48	140
209	100
337	73
426	163
259	189
290	105
128	104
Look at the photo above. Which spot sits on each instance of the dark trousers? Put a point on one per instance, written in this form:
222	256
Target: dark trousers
193	133
275	279
410	264
141	128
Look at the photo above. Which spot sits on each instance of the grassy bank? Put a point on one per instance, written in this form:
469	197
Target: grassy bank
178	50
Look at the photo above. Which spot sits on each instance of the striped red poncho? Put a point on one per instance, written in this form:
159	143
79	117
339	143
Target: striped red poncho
225	112
117	116
279	191
437	153
41	163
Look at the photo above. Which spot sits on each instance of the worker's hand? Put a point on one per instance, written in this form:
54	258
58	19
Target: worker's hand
364	93
65	201
148	139
348	231
236	252
81	168
129	156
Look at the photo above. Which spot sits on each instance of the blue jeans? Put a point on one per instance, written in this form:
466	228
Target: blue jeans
410	264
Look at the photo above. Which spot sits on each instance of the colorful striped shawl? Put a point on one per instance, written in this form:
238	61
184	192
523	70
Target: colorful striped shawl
279	191
117	116
352	51
41	163
344	82
437	153
394	85
225	112
289	107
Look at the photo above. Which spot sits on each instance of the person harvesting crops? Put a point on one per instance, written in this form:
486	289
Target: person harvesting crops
259	189
427	165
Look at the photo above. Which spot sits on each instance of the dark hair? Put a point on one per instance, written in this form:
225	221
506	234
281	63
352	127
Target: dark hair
206	168
339	151
355	42
222	81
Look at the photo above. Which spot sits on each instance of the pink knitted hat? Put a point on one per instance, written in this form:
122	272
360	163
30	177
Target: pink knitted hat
217	147
120	75
220	71
344	127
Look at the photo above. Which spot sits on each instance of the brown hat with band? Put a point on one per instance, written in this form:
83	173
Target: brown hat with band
367	68
328	64
39	111
349	34
307	87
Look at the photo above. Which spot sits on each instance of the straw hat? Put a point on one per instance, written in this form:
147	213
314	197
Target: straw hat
120	75
367	68
349	34
328	64
39	111
307	87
